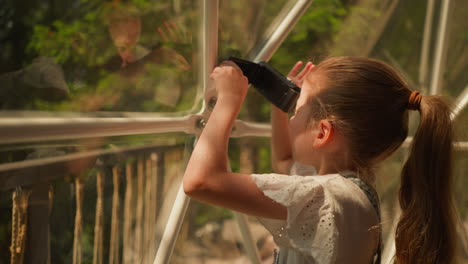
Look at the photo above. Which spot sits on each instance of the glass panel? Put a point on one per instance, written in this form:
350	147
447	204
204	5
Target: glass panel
109	204
244	23
388	184
454	75
326	28
400	41
211	234
388	30
461	125
310	39
137	56
461	198
38	150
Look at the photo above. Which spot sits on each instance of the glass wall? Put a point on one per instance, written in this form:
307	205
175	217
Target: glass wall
212	234
110	203
88	56
108	198
93	197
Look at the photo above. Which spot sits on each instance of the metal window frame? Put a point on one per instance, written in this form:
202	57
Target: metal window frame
209	44
16	174
15	130
209	51
440	49
426	42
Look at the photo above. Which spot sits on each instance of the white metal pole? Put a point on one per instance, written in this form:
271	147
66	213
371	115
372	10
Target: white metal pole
249	243
282	31
20	130
389	250
209	44
30	129
424	61
460	104
440	52
209	49
249	129
264	53
174	223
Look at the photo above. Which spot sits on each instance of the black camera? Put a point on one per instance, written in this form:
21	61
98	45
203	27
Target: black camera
270	83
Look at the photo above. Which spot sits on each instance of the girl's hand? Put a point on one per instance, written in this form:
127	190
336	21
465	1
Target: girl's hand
298	79
230	82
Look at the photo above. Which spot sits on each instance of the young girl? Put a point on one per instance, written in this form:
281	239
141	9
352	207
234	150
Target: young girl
352	113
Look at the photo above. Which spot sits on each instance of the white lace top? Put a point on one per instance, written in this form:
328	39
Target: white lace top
330	219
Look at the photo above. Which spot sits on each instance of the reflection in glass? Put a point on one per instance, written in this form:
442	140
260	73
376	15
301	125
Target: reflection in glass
99	56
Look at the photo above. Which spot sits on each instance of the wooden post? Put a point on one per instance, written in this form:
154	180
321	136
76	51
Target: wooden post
37	242
114	256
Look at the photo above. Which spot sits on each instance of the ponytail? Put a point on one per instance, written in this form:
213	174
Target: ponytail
426	230
367	101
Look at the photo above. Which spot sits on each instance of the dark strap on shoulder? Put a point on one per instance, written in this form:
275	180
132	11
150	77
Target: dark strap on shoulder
374	200
275	256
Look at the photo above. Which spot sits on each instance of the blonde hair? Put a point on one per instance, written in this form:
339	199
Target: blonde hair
367	102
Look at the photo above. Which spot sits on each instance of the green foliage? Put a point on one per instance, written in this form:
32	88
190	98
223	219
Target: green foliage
80	42
403	37
308	38
207	213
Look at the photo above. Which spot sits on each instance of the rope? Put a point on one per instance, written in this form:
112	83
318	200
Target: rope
149	212
51	198
77	252
153	206
98	224
19	225
139	210
14	228
114	257
128	217
51	203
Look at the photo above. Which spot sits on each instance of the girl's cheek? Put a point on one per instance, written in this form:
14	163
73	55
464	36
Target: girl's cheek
291	136
292	130
295	125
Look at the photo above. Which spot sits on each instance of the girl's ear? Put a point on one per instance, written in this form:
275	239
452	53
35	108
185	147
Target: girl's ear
324	134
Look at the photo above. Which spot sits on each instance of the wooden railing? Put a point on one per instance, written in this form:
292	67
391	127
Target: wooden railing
124	226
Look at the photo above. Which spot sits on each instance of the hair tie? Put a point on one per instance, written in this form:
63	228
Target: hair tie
414	101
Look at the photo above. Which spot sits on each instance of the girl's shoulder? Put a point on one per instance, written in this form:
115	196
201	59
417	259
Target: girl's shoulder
299	169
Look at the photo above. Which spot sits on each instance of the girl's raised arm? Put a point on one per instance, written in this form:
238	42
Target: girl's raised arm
207	178
281	151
